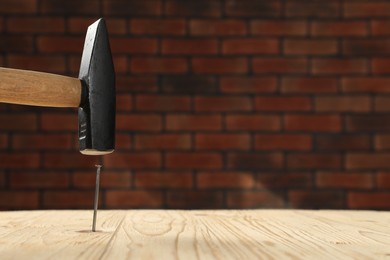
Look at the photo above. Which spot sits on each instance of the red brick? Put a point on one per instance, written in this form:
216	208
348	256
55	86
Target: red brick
366	84
380	66
203	8
158	65
225	27
313	199
42	141
53	64
108	179
35	25
223	104
18	6
220	65
3	141
19	160
37	180
278	28
163	180
343	104
195	199
283	180
131	7
158	26
141	84
134	45
339	66
72	7
249	8
368	123
120	64
139	122
189	84
16	44
280	65
366	9
225	180
253	122
309	85
222	141
163	141
80	25
250	46
315	9
339	28
248	84
133	160
284	103
124	199
342	142
23	122
116	26
123	141
314	161
373	200
19	200
310	47
255	161
124	103
194	122
366	46
189	46
344	180
383	180
313	123
61	160
380	27
364	161
74	64
293	142
67	199
160	103
58	122
255	199
382	142
60	44
193	160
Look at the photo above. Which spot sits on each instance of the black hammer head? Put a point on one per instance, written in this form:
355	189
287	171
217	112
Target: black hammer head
97	108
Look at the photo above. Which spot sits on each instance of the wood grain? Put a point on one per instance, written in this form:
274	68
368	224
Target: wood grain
169	234
38	89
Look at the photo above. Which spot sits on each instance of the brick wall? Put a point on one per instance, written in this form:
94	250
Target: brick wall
221	104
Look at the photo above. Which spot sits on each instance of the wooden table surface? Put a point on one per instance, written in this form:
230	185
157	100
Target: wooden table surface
220	234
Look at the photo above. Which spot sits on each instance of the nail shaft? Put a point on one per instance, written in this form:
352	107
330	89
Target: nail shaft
95	205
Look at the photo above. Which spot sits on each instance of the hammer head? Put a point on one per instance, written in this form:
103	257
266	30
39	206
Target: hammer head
97	108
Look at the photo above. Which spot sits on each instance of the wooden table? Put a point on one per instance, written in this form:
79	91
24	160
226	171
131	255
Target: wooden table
168	234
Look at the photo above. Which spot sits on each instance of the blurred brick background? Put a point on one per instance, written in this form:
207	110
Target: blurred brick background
221	104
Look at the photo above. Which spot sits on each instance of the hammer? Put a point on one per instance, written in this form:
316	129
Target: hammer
93	92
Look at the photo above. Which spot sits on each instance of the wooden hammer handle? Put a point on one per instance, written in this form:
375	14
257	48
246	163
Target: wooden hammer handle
38	89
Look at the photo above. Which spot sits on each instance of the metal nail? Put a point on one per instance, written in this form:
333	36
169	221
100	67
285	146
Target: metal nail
95	205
